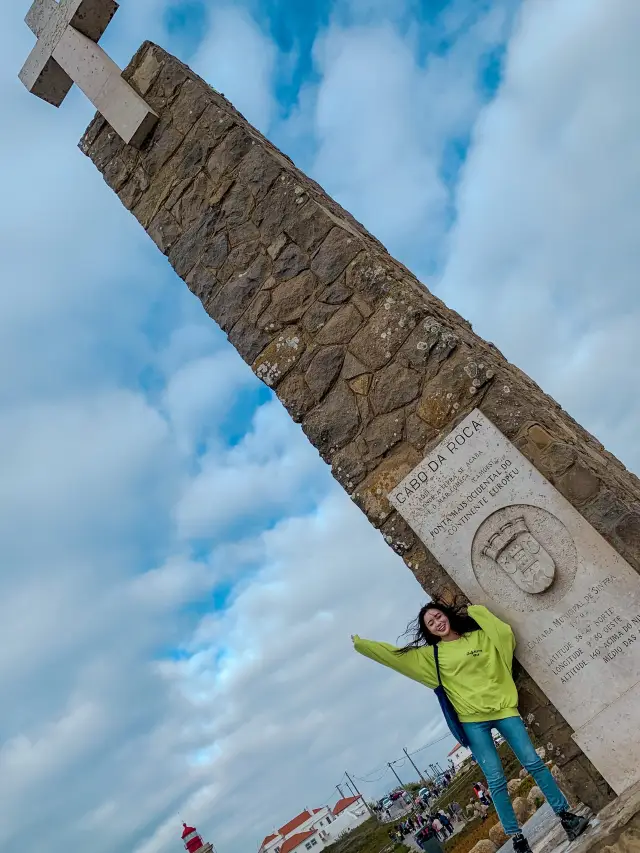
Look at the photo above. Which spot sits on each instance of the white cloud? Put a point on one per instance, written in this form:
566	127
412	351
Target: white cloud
272	667
388	102
263	475
545	254
200	394
239	60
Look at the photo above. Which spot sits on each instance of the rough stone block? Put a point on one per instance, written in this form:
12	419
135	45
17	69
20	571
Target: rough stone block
535	798
398	535
485	845
498	836
337	293
231	300
453	390
290	301
348	467
310	226
324	369
513	786
417	432
579	484
335	422
341	327
522	809
279	357
371	496
557	457
385	332
318	316
296	396
189	106
164	231
229	154
428	346
258	171
628	531
278	211
383	432
290	262
361	384
335	254
394	386
146	72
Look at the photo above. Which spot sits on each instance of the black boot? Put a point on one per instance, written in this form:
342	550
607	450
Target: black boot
573	824
520	844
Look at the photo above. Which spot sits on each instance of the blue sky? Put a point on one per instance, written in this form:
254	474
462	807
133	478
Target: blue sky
180	575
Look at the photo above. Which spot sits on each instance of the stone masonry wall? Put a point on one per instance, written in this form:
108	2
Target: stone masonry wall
375	368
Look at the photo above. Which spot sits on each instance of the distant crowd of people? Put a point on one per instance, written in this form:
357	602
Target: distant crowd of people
426	822
480	804
423	826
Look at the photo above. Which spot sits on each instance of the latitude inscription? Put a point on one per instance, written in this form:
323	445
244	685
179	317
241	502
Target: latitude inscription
511	541
67	53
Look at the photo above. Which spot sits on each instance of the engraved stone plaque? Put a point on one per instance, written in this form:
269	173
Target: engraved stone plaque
511	541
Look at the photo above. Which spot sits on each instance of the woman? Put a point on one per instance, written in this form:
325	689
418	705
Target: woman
481	793
446	823
437	828
475	651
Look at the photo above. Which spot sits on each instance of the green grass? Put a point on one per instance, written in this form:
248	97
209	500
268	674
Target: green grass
461	789
473	832
369	837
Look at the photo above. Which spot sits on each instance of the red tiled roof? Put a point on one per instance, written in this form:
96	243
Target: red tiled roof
295	841
289	827
455	749
267	840
343	804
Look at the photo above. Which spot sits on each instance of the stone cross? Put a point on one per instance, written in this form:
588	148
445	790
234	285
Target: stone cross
67	52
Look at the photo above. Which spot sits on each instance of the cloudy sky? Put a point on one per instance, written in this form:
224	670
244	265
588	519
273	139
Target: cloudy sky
179	574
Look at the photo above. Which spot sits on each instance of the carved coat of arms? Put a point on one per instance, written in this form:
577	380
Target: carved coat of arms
519	554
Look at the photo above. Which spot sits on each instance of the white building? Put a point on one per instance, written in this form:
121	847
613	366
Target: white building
308	831
458	756
348	813
314	829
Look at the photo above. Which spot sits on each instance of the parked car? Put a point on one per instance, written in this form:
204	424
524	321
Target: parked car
395	795
424	793
386	803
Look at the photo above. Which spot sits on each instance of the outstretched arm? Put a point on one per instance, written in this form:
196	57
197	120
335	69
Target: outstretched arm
417	664
500	634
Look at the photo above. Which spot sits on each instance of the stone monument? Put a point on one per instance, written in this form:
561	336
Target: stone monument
511	541
472	474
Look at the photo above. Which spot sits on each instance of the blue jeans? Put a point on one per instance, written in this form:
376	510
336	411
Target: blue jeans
486	754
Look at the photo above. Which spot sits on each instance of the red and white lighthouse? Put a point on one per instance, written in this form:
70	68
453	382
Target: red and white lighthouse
193	842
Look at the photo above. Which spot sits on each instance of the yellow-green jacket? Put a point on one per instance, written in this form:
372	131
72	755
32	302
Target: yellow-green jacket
475	670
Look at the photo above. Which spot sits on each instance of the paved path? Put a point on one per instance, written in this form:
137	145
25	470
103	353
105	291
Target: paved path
543	830
398	811
410	842
545	833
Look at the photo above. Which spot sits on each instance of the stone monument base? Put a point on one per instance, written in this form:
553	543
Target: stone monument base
615	829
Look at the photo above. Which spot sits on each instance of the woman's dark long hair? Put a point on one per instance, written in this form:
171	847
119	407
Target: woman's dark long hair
456	613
